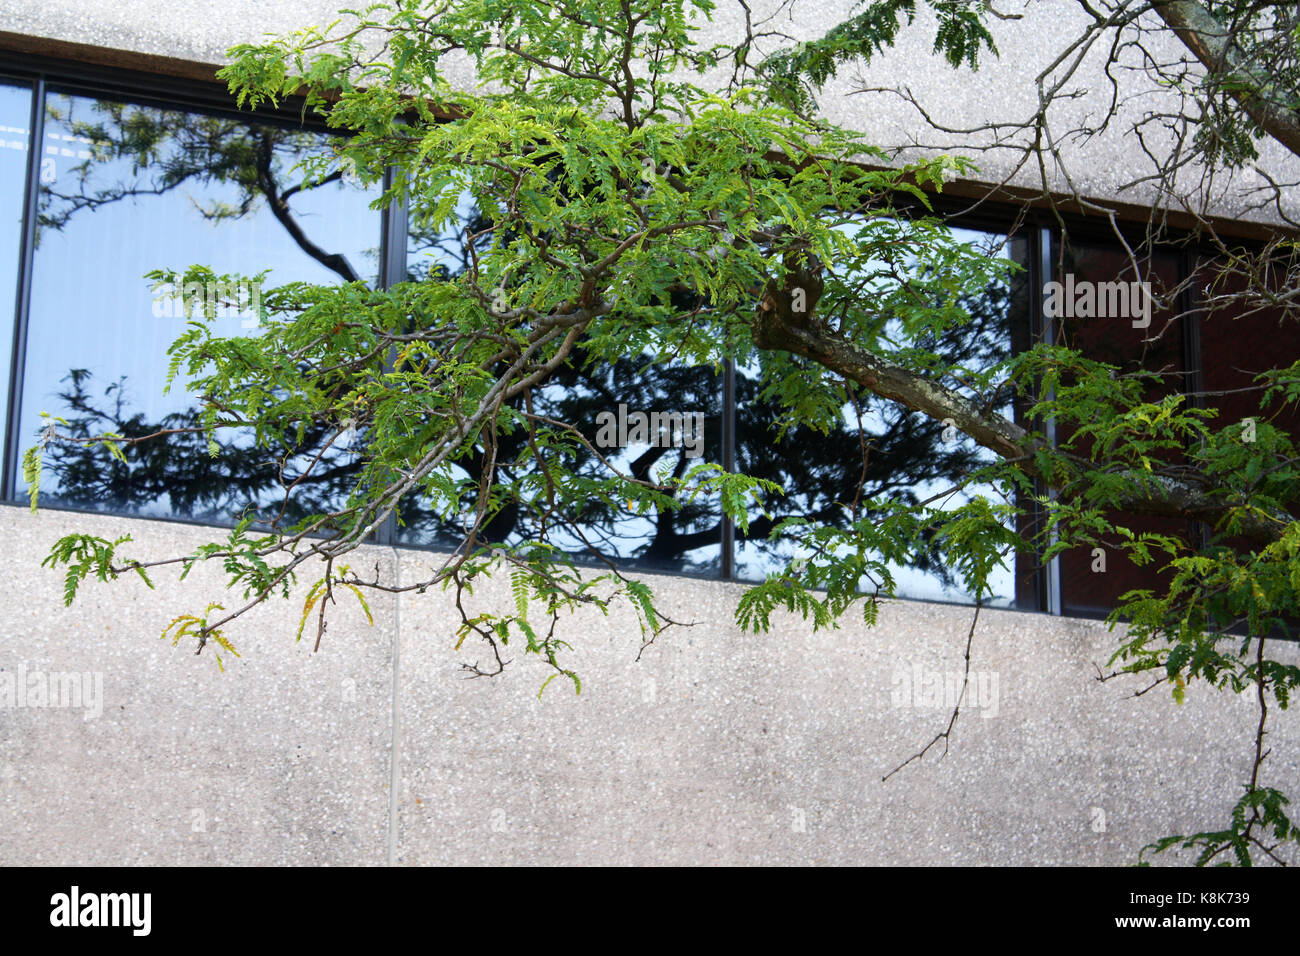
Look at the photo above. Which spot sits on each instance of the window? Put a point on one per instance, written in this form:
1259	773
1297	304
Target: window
1135	330
126	188
909	458
15	118
1243	335
646	419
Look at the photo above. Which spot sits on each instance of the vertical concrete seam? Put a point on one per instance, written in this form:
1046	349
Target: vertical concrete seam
395	712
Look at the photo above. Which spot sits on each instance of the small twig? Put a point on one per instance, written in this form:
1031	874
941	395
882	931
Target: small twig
952	721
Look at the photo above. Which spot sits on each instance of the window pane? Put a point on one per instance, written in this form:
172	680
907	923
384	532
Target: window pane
1108	330
687	400
908	460
15	116
1244	334
649	422
653	422
1241	337
126	189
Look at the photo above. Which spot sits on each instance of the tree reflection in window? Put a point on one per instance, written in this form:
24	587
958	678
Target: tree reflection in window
126	189
133	187
681	535
892	454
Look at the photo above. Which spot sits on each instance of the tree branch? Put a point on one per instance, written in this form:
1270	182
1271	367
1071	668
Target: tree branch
1212	43
1157	495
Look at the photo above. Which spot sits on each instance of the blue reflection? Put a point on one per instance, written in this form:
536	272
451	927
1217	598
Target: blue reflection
126	189
15	116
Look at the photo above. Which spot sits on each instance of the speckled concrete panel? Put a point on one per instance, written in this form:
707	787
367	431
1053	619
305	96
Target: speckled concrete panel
717	746
283	759
723	747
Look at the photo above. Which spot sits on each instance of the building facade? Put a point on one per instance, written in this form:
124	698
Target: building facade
120	154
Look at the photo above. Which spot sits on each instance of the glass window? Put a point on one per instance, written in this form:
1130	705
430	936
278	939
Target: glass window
1242	335
15	117
910	458
653	422
1103	315
128	188
643	418
646	421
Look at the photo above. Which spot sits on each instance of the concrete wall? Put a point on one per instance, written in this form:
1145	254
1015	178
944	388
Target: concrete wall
717	747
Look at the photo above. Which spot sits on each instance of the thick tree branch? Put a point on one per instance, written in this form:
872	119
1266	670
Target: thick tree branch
1157	495
1212	43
